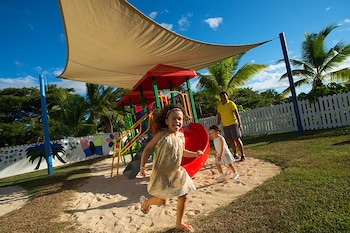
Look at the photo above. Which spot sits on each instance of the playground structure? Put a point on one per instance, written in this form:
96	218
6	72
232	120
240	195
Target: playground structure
143	100
116	51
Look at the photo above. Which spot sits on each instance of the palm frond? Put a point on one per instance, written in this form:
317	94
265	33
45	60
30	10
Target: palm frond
342	75
60	158
245	73
324	32
296	84
207	82
285	92
297	63
298	73
301	82
284	76
38	164
236	60
279	61
338	54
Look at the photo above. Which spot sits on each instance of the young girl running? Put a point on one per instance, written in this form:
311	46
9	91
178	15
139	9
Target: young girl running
168	178
223	155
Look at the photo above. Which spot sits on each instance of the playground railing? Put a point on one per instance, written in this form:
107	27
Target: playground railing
136	133
181	99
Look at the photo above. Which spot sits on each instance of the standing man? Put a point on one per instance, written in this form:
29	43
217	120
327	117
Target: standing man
231	121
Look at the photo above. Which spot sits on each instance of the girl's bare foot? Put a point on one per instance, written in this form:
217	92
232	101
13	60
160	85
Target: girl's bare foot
185	228
143	201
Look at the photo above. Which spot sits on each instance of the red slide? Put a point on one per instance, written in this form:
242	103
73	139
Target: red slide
196	138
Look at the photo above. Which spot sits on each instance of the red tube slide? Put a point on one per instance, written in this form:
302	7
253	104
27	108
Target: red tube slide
196	138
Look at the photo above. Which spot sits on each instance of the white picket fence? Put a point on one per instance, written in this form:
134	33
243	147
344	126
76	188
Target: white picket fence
328	112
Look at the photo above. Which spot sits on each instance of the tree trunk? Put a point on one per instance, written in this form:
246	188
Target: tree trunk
108	125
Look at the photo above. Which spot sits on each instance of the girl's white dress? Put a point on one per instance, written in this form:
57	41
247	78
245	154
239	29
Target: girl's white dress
168	178
227	157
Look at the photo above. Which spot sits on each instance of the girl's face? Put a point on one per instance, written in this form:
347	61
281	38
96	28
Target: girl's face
213	133
174	121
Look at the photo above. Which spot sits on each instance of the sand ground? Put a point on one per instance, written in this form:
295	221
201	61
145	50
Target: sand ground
102	205
11	198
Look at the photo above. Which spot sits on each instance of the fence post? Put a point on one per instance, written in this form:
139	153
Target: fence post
291	83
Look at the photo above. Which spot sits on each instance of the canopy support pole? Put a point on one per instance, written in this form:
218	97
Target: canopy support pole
132	111
133	120
125	116
291	83
173	100
46	125
155	90
144	106
193	106
143	101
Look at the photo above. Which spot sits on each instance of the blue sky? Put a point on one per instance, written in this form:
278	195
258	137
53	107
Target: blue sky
33	40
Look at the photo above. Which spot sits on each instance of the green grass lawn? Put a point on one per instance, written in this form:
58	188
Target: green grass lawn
311	194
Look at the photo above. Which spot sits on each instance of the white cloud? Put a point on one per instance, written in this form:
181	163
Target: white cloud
194	84
153	14
38	69
183	22
327	9
342	23
62	38
30	81
167	26
18	64
31	27
46	73
57	71
214	22
79	87
269	79
49	73
19	82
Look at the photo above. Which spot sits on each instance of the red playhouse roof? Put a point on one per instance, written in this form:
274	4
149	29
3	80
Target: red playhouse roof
135	97
164	76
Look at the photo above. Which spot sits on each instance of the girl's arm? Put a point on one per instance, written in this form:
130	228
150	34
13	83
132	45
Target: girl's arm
221	150
147	150
191	154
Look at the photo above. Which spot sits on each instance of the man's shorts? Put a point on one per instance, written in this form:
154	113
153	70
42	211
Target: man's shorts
232	131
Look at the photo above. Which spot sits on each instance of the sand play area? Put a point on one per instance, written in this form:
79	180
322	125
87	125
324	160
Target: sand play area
102	205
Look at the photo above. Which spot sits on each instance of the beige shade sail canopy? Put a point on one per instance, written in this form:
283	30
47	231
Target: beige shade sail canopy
110	42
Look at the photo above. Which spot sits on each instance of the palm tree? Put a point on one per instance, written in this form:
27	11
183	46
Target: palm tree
38	152
226	75
102	105
72	109
317	62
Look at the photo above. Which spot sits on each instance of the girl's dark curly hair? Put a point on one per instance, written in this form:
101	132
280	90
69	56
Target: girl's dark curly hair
162	114
215	127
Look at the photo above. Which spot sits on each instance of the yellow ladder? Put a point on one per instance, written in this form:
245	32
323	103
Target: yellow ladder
139	133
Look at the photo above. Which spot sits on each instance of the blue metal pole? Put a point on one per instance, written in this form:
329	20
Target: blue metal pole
291	83
46	125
